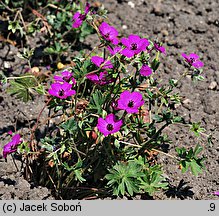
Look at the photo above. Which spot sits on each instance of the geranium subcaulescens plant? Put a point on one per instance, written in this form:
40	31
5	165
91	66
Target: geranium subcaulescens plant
112	113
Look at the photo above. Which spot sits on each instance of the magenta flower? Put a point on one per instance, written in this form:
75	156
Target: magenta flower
66	77
102	79
98	61
216	193
109	125
78	18
130	101
109	33
114	50
12	146
134	45
10	132
160	48
145	70
193	60
61	90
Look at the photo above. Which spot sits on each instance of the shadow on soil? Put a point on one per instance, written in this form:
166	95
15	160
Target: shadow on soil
181	191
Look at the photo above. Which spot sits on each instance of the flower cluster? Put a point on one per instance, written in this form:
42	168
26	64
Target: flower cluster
78	18
12	146
62	88
109	33
193	60
102	78
129	102
129	47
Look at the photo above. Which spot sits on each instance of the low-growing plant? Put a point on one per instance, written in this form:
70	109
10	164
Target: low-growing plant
109	116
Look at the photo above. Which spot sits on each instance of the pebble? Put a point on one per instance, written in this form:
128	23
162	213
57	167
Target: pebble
187	101
124	27
165	32
7	65
35	70
131	4
213	85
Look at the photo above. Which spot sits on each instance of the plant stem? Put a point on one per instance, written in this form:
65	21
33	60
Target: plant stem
37	123
144	144
181	77
138	146
164	153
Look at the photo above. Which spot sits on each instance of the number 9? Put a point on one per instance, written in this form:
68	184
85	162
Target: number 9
212	206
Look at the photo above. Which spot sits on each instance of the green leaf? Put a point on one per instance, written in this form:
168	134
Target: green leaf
86	30
155	64
40	89
178	119
23	87
195	168
78	176
121	188
158	118
153	180
97	101
123	177
197	150
190	159
70	125
196	128
19	90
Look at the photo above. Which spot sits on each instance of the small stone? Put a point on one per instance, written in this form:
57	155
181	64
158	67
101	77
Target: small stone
131	4
213	85
165	32
124	27
35	70
187	101
7	65
177	105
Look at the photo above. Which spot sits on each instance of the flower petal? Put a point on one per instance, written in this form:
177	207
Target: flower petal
185	56
102	126
97	60
92	77
117	125
145	70
194	56
128	53
104	28
125	42
134	39
197	64
110	119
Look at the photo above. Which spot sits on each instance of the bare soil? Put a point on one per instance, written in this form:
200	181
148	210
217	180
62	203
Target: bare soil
183	26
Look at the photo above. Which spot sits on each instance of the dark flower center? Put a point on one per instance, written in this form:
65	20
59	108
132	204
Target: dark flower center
82	16
192	60
131	104
107	35
61	92
109	127
67	79
134	46
13	147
